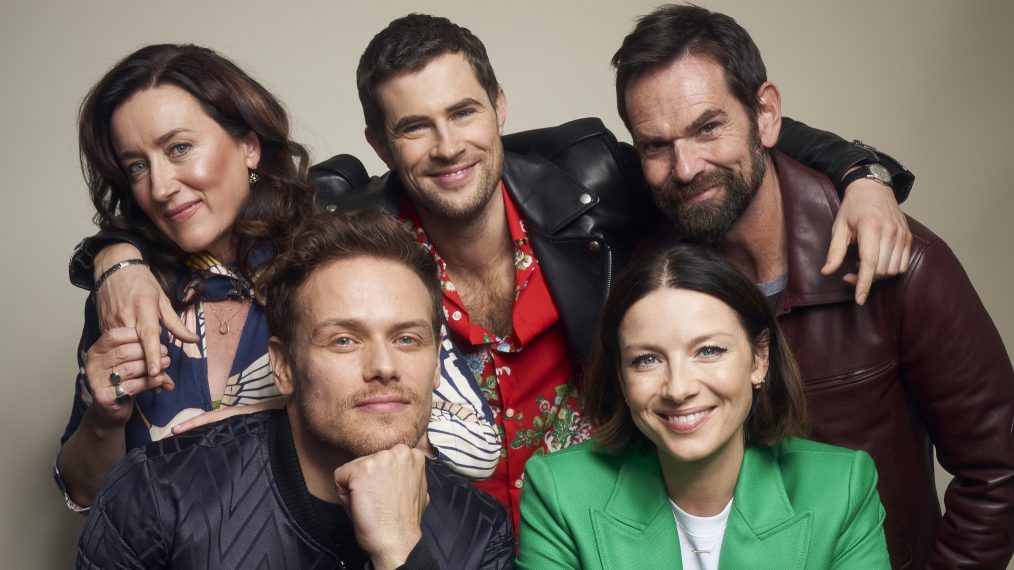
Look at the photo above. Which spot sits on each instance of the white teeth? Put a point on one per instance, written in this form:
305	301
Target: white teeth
688	419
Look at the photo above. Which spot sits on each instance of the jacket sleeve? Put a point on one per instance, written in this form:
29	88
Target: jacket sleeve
545	541
82	261
123	530
862	544
461	427
957	372
499	554
828	153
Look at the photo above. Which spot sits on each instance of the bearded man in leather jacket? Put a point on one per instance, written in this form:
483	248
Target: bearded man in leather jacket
919	367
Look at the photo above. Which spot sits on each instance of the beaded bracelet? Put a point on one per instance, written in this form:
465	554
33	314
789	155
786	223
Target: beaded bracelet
105	274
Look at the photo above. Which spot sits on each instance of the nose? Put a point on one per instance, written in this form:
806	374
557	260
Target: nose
162	176
379	363
681	382
448	144
687	161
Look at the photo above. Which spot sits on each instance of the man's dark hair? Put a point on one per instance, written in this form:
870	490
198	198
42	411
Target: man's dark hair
779	407
409	44
331	236
673	32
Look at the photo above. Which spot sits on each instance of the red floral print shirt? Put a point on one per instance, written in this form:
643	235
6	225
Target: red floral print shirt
525	376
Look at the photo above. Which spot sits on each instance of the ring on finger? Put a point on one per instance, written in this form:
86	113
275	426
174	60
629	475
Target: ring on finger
121	394
114	378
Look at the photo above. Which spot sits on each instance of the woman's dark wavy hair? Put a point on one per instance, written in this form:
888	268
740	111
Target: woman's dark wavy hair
779	407
239	104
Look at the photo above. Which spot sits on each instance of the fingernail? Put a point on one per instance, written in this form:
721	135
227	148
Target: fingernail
861	298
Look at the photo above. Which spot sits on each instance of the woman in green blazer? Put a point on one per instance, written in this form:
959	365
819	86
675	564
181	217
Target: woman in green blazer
696	462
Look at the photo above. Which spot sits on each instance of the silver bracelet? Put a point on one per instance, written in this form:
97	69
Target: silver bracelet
105	274
63	487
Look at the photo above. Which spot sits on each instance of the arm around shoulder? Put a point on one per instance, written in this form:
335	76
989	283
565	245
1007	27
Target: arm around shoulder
123	529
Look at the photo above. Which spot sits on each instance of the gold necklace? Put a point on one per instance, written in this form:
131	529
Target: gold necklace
223	324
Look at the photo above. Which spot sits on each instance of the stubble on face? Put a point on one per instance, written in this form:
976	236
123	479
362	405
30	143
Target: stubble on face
341	427
442	204
707	222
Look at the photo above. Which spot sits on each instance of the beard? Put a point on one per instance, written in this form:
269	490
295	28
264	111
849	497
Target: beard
339	426
707	222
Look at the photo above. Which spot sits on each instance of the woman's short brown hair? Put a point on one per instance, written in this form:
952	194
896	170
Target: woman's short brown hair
779	407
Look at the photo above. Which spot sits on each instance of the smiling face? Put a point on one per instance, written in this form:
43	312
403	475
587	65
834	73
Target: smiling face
364	364
688	368
187	174
442	137
703	156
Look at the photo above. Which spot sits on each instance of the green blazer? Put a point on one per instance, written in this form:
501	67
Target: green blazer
799	504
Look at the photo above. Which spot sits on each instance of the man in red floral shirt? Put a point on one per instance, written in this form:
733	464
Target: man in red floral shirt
525	252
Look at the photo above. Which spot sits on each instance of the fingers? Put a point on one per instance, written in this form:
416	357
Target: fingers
226	412
172	322
149	333
109	397
869	254
840	239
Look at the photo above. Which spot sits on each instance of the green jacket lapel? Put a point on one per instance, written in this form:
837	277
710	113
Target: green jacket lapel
637	529
763	526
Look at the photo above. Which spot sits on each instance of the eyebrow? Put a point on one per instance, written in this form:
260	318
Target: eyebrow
705	118
359	324
407	120
651	345
160	141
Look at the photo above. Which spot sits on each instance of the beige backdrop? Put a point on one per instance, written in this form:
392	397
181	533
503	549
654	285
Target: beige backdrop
929	81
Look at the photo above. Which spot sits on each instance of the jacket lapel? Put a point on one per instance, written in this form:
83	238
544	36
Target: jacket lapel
637	529
576	269
763	526
810	204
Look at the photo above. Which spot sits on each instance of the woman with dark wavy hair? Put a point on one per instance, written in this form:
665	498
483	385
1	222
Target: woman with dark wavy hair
183	149
697	461
180	146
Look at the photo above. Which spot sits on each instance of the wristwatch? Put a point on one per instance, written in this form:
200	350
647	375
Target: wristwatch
871	170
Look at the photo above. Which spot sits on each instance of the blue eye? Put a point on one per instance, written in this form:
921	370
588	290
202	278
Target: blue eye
135	168
407	340
644	360
179	149
712	351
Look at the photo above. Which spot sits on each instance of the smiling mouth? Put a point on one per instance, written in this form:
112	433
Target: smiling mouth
454	175
687	422
182	213
702	196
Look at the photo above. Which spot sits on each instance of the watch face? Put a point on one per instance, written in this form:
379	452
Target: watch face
880	173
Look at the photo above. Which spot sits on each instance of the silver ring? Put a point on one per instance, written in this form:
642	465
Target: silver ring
121	394
114	378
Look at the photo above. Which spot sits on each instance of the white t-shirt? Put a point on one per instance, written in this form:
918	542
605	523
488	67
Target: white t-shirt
700	537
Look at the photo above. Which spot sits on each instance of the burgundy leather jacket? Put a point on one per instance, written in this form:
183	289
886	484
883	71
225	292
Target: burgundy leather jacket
920	366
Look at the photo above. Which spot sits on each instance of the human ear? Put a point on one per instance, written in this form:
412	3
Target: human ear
760	359
251	149
280	366
501	109
379	143
769	114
